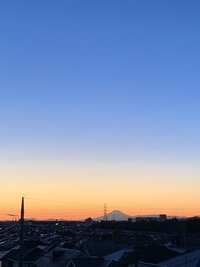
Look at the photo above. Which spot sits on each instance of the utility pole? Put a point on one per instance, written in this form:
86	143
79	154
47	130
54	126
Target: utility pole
21	253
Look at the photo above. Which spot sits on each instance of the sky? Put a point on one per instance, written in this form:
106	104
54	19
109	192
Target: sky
99	103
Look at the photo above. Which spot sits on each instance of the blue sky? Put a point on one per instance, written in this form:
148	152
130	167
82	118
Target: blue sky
100	81
123	75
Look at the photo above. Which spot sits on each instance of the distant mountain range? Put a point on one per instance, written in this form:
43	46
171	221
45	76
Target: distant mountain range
116	215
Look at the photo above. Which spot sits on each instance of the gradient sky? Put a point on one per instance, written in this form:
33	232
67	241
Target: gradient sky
99	102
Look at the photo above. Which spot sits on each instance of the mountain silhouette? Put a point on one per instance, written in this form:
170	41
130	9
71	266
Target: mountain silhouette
116	215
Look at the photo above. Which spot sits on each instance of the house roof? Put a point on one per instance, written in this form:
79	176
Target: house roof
3	253
94	262
103	248
120	255
29	255
155	254
191	259
61	260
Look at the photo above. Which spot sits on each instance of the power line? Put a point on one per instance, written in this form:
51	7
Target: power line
92	204
60	201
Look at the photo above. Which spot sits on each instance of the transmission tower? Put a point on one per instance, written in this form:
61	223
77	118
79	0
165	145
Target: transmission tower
105	213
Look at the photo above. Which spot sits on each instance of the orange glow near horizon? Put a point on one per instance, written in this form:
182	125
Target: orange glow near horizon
42	209
57	191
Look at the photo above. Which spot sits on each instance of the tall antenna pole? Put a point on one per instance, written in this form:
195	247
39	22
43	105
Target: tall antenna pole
21	234
105	213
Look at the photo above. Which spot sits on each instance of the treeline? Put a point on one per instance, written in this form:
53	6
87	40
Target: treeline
191	225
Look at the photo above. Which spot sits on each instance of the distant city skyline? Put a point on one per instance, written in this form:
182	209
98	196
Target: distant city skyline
99	103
